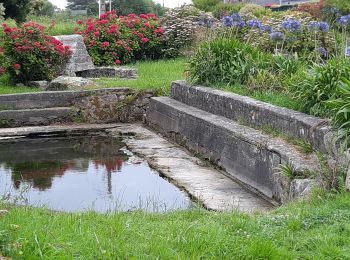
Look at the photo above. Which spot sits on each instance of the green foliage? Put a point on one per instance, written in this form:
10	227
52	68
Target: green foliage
319	84
253	10
226	61
343	6
43	8
17	9
311	229
205	5
222	9
31	54
341	109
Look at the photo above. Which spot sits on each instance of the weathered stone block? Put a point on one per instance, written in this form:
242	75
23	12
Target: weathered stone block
301	188
80	59
69	83
109	72
42	84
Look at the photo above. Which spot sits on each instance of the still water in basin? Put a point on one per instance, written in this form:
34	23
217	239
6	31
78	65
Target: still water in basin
83	173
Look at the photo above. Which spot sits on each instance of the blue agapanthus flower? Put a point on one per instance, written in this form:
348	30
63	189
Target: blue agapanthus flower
318	26
291	25
254	23
322	51
266	28
344	20
277	36
234	20
347	52
227	21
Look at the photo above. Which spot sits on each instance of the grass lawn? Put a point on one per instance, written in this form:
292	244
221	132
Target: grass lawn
315	229
156	75
7	88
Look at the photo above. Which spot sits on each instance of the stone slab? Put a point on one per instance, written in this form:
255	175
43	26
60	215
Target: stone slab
243	152
256	113
53	99
43	116
109	72
206	184
69	83
80	59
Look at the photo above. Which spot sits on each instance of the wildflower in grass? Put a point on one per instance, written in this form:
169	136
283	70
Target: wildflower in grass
277	36
254	23
291	25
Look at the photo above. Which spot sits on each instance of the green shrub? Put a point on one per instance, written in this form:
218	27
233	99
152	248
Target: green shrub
226	61
206	5
222	9
342	5
319	84
183	27
253	10
31	54
341	108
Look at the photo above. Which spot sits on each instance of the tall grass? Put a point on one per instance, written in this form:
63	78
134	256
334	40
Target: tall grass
316	229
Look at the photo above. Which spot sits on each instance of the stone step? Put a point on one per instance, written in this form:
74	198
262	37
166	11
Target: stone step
256	113
49	99
244	153
35	117
204	183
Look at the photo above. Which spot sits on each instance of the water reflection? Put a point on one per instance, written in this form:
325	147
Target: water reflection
75	174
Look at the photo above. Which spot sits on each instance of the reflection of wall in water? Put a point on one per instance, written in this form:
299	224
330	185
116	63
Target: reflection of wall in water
37	161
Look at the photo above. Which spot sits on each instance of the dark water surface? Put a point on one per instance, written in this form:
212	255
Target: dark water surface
83	173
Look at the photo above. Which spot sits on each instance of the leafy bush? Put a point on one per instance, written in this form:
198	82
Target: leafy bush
31	54
343	6
222	9
114	40
206	5
182	26
226	61
253	11
341	108
319	84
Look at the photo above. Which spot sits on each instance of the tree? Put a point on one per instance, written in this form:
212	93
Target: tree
42	7
80	4
16	9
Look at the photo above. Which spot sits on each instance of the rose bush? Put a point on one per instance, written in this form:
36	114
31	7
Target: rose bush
29	53
114	39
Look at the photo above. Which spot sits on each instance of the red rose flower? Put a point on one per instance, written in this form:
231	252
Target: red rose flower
105	44
16	66
118	62
145	40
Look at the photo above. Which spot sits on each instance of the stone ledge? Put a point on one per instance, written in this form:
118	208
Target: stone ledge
256	113
109	72
245	153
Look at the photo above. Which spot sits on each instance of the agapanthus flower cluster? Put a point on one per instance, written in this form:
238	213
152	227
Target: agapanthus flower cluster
344	20
318	26
291	25
114	39
32	54
347	52
322	52
277	36
234	20
254	24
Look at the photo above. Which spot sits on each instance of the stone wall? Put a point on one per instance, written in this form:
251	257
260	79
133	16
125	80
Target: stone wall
93	106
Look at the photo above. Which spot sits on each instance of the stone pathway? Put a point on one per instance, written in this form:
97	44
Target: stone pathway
208	185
